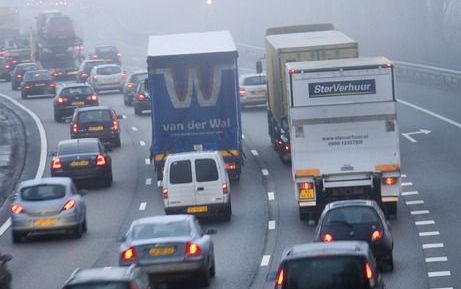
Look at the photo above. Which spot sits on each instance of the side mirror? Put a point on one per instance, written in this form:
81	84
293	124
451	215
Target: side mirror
259	66
119	116
122	239
211	231
12	197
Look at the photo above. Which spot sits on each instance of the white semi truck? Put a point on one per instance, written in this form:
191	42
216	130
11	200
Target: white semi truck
344	133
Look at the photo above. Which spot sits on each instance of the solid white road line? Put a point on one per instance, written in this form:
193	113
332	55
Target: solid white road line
265	172
436	259
428	234
403	176
142	206
265	260
147	161
418	202
271	196
420	212
5	226
271	225
148	181
439	274
412	193
423	223
433	245
254	152
134	128
406	184
443	288
142	143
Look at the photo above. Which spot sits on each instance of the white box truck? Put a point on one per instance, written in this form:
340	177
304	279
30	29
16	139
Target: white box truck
344	133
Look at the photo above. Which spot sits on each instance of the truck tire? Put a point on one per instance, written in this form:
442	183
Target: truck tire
390	209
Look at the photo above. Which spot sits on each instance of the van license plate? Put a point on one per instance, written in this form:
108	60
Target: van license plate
201	209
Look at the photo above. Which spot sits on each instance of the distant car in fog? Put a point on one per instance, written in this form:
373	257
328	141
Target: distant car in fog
18	72
70	97
85	68
141	99
253	89
129	88
107	77
109	53
38	83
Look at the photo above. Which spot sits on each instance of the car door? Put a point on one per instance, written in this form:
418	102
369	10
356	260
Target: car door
180	185
208	184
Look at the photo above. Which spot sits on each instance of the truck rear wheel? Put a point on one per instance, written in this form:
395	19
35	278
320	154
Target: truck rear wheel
390	209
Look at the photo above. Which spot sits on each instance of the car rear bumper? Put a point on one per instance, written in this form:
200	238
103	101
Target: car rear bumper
105	138
40	91
68	110
142	105
109	86
82	174
173	271
212	209
28	223
254	100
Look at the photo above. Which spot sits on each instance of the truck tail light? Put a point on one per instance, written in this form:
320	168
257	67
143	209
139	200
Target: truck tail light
100	161
306	186
389	181
242	91
230	166
56	164
327	237
17	209
225	188
376	235
141	96
128	255
70	204
193	249
165	193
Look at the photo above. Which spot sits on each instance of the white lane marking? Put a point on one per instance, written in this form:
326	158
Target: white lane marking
43	149
148	181
124	116
271	225
134	128
447	120
428	234
147	161
420	212
439	274
412	193
407	134
433	245
406	184
142	206
254	152
265	172
403	176
265	260
142	143
159	184
436	259
418	202
243	136
443	288
271	196
423	223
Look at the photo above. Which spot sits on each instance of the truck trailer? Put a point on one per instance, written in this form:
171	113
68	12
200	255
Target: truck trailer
344	133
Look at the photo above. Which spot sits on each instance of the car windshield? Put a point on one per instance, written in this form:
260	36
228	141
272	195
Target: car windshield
138	77
106	49
94	116
23	68
78	148
332	272
160	230
108	70
255	80
101	285
352	215
75	91
43	192
37	75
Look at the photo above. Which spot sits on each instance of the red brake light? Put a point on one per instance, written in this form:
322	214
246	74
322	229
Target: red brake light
225	188
100	160
61	99
327	238
115	125
119	54
130	85
70	204
281	277
141	96
84	74
95	77
53	84
376	235
27	87
389	181
7	66
193	249
74	128
368	271
17	209
293	71
93	97
306	186
129	255
287	147
18	76
56	164
242	91
165	193
230	166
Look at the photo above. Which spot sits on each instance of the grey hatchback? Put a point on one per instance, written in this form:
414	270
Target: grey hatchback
47	205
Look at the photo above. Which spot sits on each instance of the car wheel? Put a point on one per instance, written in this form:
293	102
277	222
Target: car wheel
57	118
205	278
118	142
213	268
125	101
85	226
23	95
136	110
386	263
108	180
17	237
227	212
78	231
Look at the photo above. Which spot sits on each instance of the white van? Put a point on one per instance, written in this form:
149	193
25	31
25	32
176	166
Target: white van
196	183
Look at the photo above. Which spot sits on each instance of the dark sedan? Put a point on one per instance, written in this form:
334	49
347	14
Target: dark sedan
141	101
38	83
360	220
18	73
129	88
170	248
71	97
109	53
82	159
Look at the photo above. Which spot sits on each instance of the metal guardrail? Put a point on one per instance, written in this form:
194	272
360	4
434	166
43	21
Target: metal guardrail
447	78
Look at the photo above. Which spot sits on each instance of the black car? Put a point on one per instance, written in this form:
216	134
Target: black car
5	274
39	83
96	122
82	159
18	72
70	97
361	220
5	69
141	101
85	69
16	56
109	53
108	277
338	265
129	88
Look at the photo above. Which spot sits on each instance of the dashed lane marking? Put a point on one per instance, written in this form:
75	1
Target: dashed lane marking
243	136
436	259
403	176
5	226
124	116
148	181
271	225
254	152
147	161
142	143
265	172
406	184
271	196
423	223
439	274
134	128
412	193
428	234
265	260
417	202
433	245
142	206
420	212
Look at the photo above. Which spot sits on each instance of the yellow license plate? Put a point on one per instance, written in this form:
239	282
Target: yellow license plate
76	164
45	222
306	194
78	103
161	251
201	209
96	128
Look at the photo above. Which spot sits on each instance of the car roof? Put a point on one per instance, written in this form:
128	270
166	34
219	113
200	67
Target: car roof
350	203
77	141
90	108
193	154
107	65
74	85
46	180
244	75
357	248
26	64
101	274
93	60
162	219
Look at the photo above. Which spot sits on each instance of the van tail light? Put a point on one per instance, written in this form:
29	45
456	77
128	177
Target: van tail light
165	193
389	181
327	237
128	255
242	91
56	164
115	125
74	128
230	166
376	235
141	96
100	160
69	205
193	249
225	188
17	209
280	278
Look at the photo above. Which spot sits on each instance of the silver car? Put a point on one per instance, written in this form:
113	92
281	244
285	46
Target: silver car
106	77
253	89
47	205
170	248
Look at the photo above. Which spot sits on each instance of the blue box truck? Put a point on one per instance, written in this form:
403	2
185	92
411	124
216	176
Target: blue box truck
193	85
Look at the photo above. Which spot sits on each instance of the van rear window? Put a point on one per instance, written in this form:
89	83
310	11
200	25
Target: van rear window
206	170
180	172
